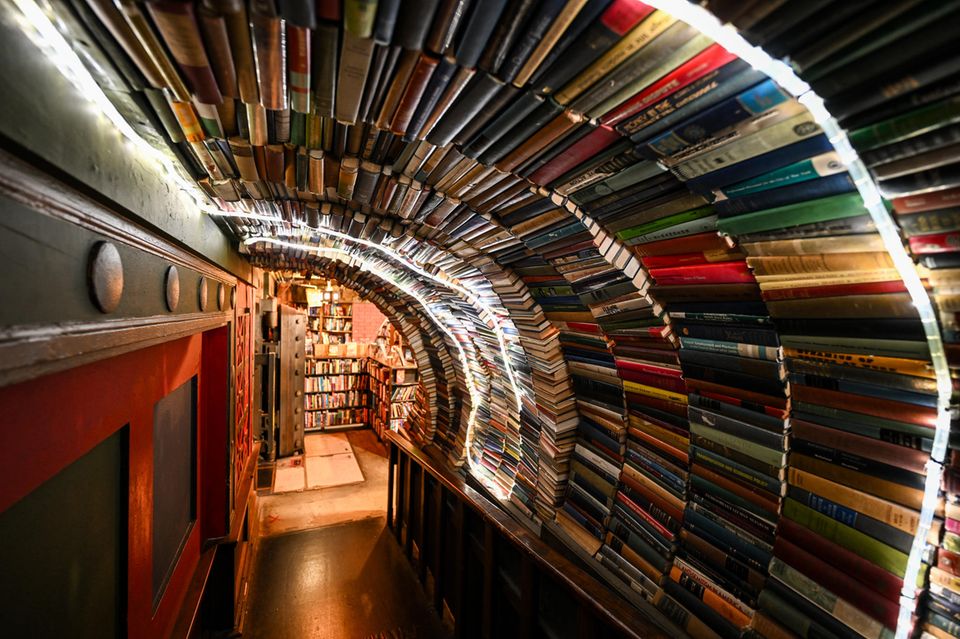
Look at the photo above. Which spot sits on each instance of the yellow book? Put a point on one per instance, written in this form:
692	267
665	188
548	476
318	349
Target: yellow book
652	391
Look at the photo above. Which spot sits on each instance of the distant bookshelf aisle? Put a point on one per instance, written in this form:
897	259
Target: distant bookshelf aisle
354	385
727	397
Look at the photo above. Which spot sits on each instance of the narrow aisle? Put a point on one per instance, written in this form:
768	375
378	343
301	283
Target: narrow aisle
347	581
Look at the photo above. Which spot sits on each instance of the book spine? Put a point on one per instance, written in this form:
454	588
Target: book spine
355	57
618	19
712	58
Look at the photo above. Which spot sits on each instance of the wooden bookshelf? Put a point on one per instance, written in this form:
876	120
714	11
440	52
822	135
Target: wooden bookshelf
331	323
336	387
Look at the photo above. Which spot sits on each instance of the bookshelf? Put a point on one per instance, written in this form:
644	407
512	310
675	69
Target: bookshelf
331	323
336	388
714	330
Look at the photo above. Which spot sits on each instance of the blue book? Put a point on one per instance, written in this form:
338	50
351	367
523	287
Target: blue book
811	190
706	124
761	164
725	540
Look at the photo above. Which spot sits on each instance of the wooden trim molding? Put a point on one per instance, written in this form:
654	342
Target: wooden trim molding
27	353
43	193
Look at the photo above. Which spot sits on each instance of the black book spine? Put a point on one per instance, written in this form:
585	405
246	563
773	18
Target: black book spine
480	91
431	95
508	29
383	59
481	23
519	133
504	96
325	49
531	36
590	12
301	13
386	21
594	41
414	23
521	107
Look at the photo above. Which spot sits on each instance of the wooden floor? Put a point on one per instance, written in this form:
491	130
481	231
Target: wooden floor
346	581
327	567
325	506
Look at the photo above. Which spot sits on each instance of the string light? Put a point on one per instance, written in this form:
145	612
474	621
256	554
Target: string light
475	395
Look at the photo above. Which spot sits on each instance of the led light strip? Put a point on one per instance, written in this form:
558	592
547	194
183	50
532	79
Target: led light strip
479	472
491	315
45	35
730	39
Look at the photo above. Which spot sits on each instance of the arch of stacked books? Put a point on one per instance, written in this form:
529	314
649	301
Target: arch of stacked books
681	280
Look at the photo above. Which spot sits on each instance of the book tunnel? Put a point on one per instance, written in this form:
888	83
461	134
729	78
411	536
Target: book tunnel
480	318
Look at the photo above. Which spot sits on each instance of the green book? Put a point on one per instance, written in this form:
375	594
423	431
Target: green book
908	125
890	559
803	171
359	17
835	207
298	128
666	222
762	453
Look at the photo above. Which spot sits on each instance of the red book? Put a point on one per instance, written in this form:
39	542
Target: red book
836	290
578	153
680	245
842	560
717	273
667	261
298	66
624	15
927	201
640	513
837	581
710	59
666	406
947	559
583	327
936	243
641	367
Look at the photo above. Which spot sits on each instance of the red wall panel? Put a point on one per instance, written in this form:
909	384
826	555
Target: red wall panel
50	422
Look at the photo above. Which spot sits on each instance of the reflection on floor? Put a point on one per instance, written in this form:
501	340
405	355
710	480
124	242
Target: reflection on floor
291	511
327	567
348	581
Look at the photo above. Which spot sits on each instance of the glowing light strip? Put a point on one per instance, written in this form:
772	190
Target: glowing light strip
492	315
45	35
730	39
480	473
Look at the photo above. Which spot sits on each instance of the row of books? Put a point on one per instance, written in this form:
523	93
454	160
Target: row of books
326	401
333	419
334	383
